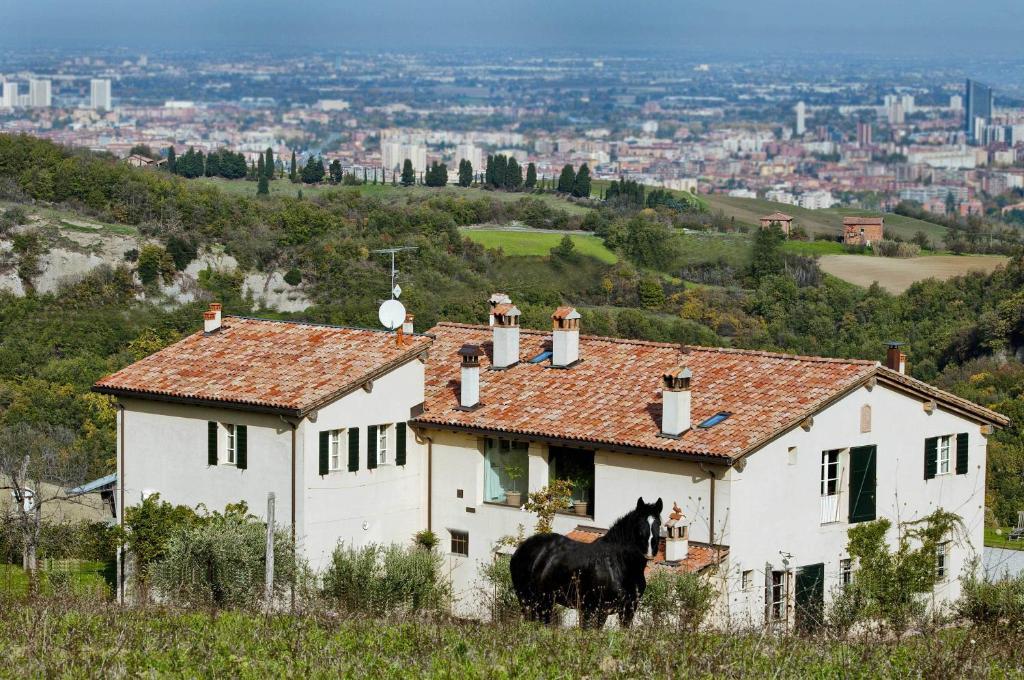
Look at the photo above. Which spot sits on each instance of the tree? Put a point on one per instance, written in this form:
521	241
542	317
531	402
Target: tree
567	180
950	203
465	172
531	176
293	174
142	150
581	186
408	174
767	258
513	175
263	186
172	159
38	472
268	164
261	169
313	172
335	172
565	248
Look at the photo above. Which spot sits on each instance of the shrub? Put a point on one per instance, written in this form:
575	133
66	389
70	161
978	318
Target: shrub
992	602
221	561
426	539
679	599
896	249
182	251
293	276
155	263
386	580
498	594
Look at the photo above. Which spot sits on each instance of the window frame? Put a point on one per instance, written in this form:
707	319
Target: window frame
230	444
829	481
845	572
777	606
337	440
459	541
747	579
382	444
942	562
496	448
944	445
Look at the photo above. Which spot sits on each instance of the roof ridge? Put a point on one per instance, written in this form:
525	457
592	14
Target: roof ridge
927	387
316	324
679	346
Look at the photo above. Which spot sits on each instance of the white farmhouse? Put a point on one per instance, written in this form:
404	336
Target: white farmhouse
367	436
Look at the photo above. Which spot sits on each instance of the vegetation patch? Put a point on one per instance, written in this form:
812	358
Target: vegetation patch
538	244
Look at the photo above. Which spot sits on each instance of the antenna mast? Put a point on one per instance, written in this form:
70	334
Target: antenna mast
395	290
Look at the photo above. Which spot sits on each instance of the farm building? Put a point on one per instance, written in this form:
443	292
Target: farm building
862	231
784	221
369	436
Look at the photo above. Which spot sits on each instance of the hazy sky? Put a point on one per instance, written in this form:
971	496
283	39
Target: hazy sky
945	28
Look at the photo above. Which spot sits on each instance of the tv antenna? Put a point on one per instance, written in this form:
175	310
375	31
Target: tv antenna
396	290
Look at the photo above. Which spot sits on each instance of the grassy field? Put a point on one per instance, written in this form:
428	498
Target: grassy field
54	640
1000	540
749	211
538	243
897	274
81	577
282	187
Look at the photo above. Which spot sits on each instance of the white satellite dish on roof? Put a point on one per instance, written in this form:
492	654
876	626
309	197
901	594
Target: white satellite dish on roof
391	314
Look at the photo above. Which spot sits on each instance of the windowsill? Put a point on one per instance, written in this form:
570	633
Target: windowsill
572	513
499	504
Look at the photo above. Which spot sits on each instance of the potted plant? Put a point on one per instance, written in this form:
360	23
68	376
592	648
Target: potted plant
581	485
513	497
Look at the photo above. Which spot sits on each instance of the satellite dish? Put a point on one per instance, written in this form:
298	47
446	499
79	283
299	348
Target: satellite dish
391	314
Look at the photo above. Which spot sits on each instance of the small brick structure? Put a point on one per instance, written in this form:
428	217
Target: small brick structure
862	231
784	221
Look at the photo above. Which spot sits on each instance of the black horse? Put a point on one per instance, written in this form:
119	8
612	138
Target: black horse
597	579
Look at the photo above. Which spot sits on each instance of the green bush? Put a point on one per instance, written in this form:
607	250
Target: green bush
155	263
386	579
678	599
896	249
221	561
499	595
293	276
992	602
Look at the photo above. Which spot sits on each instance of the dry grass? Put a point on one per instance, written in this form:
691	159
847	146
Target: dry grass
896	275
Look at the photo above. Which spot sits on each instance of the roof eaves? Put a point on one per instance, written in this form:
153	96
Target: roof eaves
951	401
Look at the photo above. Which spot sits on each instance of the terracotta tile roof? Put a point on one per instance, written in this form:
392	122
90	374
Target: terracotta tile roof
778	217
699	557
853	220
987	415
276	365
505	309
566	312
613	396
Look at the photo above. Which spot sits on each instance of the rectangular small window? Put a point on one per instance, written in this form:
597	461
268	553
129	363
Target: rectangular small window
945	447
941	561
460	542
829	473
778	596
383	456
232	445
846	572
748	579
791	457
337	446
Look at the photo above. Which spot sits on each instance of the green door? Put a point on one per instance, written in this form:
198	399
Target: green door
810	597
862	483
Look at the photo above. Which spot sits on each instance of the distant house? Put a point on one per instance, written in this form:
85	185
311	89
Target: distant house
862	231
140	161
784	221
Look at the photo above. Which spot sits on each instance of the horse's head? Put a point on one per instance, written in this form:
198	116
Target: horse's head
649	515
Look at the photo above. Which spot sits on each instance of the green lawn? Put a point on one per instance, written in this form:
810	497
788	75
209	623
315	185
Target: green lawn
814	247
999	540
520	243
83	577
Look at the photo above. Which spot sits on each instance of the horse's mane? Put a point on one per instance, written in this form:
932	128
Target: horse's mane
626	529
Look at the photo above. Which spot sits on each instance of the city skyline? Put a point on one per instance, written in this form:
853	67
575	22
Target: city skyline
913	27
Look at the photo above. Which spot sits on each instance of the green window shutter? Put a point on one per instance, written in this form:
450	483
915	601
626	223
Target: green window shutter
400	444
241	446
371	447
211	443
325	446
862	484
353	449
961	453
931	457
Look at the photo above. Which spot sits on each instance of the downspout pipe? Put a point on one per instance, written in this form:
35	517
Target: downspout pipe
706	469
120	493
294	425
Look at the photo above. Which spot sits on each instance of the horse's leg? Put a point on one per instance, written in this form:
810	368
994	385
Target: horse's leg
626	613
592	618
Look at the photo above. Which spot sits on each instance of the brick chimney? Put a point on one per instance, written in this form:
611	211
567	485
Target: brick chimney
469	395
565	341
896	359
505	319
212	319
677	536
495	300
675	402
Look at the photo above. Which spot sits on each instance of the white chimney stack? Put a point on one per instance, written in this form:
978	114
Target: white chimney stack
677	536
505	319
498	299
211	319
407	327
565	341
675	402
469	396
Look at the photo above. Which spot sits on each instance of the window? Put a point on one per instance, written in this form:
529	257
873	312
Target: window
577	466
714	420
506	469
941	561
337	445
791	458
944	449
777	596
232	445
460	542
829	473
747	581
846	572
382	444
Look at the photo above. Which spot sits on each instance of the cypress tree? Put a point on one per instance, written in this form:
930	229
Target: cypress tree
567	180
293	175
581	187
268	164
261	168
531	176
263	187
408	174
172	160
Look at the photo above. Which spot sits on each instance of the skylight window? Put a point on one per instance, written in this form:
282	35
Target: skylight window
543	356
715	419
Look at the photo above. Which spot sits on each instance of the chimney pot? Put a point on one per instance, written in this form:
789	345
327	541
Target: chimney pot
895	359
211	321
469	392
565	341
495	300
675	401
505	335
407	326
677	542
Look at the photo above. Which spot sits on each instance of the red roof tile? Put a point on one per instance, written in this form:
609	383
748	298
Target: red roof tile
778	217
613	396
277	365
700	555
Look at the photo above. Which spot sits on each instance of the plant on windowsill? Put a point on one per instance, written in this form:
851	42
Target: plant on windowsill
513	497
553	498
582	485
425	539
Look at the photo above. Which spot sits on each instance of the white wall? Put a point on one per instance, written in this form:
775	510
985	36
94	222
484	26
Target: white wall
776	505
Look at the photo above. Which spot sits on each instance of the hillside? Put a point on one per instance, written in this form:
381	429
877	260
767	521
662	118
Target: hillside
748	211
